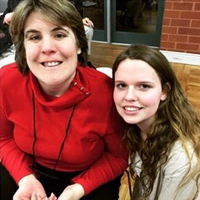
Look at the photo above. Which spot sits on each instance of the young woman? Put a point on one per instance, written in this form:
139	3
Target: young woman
60	132
163	130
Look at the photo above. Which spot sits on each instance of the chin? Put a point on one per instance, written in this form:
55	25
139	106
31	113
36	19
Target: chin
129	120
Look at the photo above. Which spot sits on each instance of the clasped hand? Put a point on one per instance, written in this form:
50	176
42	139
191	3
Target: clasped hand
31	189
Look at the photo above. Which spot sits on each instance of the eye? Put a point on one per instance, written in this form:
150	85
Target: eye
120	85
34	37
60	35
144	87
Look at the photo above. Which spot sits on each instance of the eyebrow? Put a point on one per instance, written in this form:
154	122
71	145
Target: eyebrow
139	82
53	30
59	28
119	81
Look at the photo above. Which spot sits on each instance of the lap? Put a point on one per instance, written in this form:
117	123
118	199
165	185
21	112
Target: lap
108	191
57	182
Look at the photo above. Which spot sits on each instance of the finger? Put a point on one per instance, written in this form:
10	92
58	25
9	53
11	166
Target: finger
85	23
53	197
37	196
34	196
90	23
5	21
17	196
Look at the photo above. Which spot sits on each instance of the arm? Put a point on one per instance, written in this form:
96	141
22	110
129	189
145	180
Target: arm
114	160
16	162
72	192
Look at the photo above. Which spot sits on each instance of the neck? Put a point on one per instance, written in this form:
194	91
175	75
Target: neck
58	89
143	135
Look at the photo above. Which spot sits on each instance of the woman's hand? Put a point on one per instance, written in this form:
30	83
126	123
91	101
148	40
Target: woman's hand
8	18
37	196
88	22
72	192
28	186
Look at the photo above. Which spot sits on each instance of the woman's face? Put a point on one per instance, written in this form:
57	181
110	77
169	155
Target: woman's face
51	53
137	92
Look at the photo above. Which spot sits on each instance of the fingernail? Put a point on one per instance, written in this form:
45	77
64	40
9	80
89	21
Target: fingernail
38	195
34	193
51	194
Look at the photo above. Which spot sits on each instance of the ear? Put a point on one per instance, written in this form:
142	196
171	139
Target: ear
165	91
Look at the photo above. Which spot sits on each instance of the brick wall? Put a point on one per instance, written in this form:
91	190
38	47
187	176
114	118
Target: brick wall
181	26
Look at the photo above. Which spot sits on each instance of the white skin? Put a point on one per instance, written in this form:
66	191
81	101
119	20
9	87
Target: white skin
51	53
137	93
88	22
8	17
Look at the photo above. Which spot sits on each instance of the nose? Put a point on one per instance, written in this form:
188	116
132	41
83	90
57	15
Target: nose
47	45
131	95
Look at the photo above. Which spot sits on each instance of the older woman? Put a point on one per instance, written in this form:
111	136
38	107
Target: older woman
60	132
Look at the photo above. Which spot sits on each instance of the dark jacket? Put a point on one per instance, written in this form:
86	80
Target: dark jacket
79	5
5	39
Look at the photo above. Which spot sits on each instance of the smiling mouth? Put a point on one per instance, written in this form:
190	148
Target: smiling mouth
132	109
51	64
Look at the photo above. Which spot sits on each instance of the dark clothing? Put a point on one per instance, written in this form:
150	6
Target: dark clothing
60	180
8	188
11	5
79	6
5	39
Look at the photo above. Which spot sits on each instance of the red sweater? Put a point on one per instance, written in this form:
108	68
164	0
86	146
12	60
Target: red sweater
93	137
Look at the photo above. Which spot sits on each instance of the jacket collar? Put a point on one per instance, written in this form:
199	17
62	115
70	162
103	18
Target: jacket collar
77	92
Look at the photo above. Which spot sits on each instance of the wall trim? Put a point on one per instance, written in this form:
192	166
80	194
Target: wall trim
177	57
180	57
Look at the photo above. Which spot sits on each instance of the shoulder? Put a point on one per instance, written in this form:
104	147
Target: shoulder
96	78
99	84
178	159
11	76
10	70
179	151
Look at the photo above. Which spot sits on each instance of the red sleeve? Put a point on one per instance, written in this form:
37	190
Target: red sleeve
15	161
113	162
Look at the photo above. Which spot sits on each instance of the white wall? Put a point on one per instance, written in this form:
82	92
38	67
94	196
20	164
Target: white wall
3	5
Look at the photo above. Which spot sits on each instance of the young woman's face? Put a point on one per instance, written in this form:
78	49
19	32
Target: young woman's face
137	92
51	52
